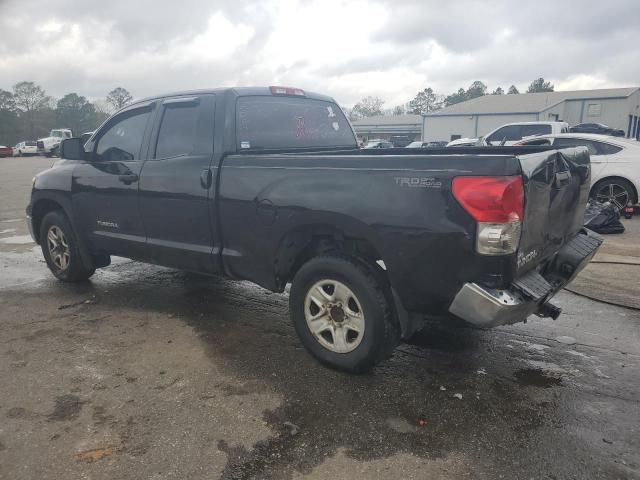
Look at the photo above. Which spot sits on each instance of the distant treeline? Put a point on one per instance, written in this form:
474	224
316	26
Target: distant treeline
28	113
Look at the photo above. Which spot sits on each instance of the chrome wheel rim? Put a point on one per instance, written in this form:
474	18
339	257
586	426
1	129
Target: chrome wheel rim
58	247
613	193
334	316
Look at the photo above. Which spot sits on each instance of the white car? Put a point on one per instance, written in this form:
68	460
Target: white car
25	148
615	164
465	142
512	133
50	145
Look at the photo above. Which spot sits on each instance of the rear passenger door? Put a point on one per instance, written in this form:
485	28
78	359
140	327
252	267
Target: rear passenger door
177	185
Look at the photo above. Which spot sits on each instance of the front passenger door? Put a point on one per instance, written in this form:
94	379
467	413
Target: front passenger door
105	188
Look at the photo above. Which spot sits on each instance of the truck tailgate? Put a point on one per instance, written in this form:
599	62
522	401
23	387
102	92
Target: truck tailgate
556	187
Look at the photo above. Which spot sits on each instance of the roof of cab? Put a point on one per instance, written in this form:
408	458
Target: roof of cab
239	91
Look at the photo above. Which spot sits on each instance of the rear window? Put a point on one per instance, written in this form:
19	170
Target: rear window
287	122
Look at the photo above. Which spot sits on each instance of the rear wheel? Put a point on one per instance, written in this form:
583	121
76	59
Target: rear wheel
618	191
342	314
60	249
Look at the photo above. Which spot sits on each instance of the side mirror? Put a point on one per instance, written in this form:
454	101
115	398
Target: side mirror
72	149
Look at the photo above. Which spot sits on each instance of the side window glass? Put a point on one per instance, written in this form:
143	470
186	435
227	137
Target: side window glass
607	149
123	140
528	130
179	131
495	136
510	132
576	142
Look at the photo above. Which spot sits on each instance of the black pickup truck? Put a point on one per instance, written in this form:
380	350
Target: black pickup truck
268	185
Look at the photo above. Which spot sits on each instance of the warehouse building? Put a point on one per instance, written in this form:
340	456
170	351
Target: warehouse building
399	129
617	107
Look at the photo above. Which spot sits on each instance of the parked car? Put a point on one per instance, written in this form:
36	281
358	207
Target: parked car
511	133
49	146
25	148
273	189
615	164
6	151
378	144
399	141
597	128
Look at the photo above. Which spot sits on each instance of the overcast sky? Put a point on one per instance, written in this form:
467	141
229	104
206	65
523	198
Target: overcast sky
347	49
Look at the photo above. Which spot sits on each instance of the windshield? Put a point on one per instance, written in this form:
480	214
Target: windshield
57	133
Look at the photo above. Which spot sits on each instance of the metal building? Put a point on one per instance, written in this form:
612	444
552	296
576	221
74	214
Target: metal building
389	127
617	107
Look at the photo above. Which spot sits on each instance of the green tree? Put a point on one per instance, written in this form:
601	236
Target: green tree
457	97
9	122
118	98
75	112
367	107
6	101
425	101
30	99
476	89
512	90
539	85
498	91
398	110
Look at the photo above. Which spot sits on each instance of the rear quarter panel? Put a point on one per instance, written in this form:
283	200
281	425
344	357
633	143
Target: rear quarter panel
402	205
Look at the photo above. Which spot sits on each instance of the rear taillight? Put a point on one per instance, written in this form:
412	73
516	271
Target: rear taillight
497	205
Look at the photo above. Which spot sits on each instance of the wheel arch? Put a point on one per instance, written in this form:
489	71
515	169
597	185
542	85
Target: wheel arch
304	242
45	202
40	208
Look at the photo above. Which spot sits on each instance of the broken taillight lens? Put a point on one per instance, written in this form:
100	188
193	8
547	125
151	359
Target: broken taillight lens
497	205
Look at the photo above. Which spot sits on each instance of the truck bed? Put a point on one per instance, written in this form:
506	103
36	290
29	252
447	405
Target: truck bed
400	201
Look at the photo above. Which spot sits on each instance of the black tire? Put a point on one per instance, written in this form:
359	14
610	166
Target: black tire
619	184
19	153
73	268
381	334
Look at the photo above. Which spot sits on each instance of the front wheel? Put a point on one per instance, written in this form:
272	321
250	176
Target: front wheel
60	249
342	313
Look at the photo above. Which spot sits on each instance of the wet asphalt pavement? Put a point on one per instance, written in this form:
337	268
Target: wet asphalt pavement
147	372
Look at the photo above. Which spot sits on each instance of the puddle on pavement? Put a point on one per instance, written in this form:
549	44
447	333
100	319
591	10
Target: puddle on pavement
17	240
536	377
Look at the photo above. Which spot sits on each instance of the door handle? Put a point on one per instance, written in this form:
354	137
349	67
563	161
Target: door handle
205	178
128	179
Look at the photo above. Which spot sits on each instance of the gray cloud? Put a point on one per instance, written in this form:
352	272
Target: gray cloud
390	48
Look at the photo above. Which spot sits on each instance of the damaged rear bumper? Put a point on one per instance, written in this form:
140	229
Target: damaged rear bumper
530	294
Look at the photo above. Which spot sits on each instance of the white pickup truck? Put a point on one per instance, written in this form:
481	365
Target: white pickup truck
49	146
511	133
